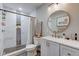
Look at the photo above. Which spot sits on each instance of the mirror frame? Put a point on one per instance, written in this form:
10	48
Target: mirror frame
63	29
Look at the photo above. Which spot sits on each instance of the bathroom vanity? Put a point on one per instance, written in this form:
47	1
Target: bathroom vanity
51	46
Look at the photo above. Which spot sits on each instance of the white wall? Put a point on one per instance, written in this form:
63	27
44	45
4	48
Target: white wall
1	6
33	13
72	9
42	15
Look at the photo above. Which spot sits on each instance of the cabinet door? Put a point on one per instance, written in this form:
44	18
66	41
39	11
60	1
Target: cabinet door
52	48
67	51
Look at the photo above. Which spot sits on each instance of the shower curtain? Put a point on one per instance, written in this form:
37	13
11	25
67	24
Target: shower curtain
1	35
7	27
25	30
8	30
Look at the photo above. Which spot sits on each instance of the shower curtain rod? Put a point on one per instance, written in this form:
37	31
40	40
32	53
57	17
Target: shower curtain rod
15	13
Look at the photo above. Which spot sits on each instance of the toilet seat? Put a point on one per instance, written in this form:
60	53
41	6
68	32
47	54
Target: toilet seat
31	47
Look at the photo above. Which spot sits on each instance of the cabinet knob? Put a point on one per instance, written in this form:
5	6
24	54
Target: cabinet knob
69	54
48	44
3	30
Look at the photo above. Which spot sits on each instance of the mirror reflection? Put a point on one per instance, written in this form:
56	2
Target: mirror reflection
58	21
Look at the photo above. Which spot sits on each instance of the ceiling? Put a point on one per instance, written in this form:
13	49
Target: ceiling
26	7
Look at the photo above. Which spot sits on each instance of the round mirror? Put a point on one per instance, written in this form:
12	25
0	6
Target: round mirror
58	21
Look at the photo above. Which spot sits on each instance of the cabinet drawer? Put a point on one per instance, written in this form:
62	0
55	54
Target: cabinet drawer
68	51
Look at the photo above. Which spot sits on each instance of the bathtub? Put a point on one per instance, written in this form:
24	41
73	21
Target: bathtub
15	51
29	50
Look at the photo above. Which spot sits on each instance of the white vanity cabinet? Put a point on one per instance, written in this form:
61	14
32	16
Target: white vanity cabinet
68	51
49	48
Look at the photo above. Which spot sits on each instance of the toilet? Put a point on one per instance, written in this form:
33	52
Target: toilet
32	48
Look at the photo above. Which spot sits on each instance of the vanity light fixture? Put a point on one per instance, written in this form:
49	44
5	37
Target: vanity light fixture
53	6
56	5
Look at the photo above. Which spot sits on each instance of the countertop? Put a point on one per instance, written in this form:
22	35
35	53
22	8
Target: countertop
70	43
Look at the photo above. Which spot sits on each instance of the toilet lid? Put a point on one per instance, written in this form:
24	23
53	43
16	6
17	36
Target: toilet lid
31	46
